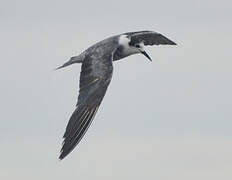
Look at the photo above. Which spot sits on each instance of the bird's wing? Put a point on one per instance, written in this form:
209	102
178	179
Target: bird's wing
149	38
96	73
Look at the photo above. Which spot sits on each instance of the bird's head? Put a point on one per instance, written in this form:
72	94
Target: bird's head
131	47
140	47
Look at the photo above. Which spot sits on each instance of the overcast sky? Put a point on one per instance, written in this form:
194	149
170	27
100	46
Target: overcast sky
169	119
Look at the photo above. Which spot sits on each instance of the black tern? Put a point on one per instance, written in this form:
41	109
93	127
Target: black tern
95	77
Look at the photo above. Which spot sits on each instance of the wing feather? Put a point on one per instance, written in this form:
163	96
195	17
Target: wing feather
149	38
96	73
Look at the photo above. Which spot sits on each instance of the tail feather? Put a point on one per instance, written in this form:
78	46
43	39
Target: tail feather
75	59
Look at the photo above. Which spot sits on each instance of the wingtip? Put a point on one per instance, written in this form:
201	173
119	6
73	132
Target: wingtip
167	41
60	158
170	42
173	43
62	155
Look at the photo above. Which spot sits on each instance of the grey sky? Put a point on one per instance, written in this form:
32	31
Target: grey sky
169	119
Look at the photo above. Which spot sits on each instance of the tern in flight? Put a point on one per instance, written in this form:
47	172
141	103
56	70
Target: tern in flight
95	77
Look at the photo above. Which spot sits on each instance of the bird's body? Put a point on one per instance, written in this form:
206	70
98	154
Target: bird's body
96	73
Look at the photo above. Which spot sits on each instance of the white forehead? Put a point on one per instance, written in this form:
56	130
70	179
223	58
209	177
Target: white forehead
124	40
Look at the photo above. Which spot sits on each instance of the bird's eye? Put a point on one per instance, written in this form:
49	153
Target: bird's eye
137	45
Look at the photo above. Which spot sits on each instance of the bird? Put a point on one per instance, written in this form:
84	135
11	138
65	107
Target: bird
96	73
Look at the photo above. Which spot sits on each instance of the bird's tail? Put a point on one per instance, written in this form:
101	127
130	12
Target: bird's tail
75	59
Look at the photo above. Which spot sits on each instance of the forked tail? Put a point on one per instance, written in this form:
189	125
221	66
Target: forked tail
75	59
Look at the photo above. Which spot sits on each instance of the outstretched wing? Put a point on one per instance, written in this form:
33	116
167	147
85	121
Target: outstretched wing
149	38
96	73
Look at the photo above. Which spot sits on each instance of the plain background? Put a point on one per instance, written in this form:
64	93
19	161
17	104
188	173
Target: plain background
169	119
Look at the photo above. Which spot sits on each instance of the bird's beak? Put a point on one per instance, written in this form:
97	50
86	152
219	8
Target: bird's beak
145	54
